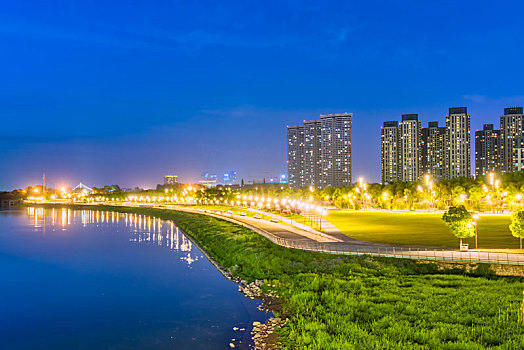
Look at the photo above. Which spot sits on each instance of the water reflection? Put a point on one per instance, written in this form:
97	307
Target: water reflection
144	229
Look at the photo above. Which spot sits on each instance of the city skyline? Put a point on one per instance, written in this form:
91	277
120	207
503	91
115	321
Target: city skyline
260	174
121	95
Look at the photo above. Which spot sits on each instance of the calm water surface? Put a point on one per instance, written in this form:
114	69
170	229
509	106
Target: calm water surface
100	280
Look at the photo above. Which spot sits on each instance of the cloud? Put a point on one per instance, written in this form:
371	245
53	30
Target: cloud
495	101
149	38
475	98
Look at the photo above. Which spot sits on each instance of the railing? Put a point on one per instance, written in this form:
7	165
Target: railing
405	253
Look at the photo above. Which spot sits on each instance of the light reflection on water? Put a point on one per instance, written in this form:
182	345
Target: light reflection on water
87	279
144	228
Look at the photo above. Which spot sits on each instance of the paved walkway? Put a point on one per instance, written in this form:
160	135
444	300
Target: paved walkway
309	239
276	230
301	239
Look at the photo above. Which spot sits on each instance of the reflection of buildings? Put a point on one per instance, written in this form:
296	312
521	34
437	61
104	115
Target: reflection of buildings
144	229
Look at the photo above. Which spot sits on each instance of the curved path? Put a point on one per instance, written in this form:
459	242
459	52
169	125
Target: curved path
310	239
296	238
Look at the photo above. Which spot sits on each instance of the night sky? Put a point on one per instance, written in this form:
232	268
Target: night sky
124	92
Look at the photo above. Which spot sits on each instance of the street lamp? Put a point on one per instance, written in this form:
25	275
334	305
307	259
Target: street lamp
518	197
429	187
475	218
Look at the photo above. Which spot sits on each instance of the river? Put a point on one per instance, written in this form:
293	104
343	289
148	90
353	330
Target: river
82	279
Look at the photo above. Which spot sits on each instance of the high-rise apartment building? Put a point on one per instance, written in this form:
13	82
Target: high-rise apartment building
389	151
487	150
409	148
432	146
511	128
336	149
312	152
295	155
518	153
458	143
319	152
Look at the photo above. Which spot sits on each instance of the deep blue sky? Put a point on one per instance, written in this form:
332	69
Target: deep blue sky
126	91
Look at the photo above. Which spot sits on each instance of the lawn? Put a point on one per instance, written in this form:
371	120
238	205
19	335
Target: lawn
419	229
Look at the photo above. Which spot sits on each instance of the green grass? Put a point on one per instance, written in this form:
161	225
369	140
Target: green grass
420	229
341	302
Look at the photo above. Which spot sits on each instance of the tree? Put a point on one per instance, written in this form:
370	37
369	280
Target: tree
460	222
517	225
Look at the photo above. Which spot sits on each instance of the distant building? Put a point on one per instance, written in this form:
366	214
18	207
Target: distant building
432	148
229	178
487	150
277	179
319	152
458	143
400	149
208	180
336	149
389	151
295	156
170	180
409	148
312	153
518	153
511	128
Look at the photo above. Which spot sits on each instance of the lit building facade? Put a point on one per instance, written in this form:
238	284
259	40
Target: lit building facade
295	156
458	143
389	151
432	145
336	149
170	180
312	152
511	128
319	152
409	148
518	153
487	150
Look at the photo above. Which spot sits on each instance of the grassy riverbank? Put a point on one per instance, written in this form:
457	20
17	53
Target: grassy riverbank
336	302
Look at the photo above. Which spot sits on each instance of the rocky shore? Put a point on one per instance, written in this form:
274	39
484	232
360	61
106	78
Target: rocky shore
263	334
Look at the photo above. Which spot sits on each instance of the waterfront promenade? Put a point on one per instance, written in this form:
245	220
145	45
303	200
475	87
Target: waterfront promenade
303	237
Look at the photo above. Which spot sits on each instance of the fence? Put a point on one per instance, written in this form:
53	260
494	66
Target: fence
405	253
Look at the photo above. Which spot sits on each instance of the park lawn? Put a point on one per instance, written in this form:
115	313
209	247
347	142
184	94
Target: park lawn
416	228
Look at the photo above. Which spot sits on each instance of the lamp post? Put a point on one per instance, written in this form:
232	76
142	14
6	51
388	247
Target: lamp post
429	188
518	197
493	184
363	187
475	218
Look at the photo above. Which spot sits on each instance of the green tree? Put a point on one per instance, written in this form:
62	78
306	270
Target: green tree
460	222
517	225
